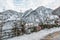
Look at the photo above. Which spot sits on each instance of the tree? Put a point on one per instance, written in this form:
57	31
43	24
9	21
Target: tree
19	28
16	31
22	23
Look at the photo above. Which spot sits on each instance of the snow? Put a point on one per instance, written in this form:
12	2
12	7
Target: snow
14	17
8	25
36	35
53	17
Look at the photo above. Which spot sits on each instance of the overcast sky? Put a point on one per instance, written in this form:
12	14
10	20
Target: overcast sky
23	5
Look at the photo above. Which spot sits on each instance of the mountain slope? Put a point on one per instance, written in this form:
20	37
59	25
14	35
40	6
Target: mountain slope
56	11
11	15
40	14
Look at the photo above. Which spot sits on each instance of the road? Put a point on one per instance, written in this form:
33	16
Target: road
52	36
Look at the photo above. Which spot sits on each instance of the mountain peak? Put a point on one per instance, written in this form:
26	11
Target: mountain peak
9	11
41	7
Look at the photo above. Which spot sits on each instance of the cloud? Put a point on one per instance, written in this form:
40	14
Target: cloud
27	4
6	5
54	4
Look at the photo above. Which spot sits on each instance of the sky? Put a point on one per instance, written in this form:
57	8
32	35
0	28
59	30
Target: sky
23	5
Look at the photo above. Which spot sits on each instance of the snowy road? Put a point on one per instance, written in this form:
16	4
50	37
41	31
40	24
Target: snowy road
36	35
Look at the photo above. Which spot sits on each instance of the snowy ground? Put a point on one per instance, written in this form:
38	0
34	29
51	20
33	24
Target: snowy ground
36	35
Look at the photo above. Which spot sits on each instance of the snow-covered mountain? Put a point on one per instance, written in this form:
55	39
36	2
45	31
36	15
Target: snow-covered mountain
56	11
44	12
11	15
38	15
